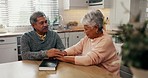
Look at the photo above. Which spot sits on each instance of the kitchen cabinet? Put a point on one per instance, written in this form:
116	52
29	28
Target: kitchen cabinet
75	4
73	37
139	6
8	49
19	47
120	13
123	11
100	4
70	38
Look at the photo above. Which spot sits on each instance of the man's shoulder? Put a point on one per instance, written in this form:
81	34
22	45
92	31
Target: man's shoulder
30	33
50	32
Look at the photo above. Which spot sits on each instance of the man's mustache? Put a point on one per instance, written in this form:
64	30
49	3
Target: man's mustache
45	27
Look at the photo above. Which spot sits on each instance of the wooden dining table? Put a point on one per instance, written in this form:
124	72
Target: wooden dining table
30	69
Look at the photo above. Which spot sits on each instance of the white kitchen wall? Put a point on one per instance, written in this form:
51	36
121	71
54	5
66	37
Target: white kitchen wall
19	29
74	15
77	14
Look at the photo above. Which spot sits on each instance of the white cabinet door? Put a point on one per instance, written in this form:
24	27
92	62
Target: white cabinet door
73	38
77	36
72	4
120	12
8	49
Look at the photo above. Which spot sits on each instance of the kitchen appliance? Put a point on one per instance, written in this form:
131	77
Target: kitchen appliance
95	2
100	3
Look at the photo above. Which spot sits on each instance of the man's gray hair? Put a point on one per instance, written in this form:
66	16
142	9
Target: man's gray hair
93	18
35	15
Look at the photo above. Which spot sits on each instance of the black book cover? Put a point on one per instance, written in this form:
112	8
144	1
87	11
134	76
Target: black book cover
48	64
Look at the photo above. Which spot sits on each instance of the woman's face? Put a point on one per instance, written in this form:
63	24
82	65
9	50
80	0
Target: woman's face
90	31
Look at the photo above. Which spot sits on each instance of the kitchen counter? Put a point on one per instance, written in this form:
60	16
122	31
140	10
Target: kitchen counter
9	34
111	32
69	30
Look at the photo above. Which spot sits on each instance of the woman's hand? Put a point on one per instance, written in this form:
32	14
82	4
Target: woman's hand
54	53
69	59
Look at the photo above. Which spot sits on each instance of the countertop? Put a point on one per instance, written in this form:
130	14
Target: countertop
9	34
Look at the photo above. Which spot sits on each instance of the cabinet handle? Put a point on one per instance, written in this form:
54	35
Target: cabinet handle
67	41
2	40
15	49
77	36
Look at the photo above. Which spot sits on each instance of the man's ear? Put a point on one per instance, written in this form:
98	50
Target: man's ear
33	25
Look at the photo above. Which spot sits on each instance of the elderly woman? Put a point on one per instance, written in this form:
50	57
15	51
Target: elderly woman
96	48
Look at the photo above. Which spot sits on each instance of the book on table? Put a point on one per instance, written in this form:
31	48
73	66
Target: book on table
48	64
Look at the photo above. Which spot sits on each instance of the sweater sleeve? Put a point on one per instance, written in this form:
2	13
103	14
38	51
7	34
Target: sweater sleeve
25	50
102	52
75	49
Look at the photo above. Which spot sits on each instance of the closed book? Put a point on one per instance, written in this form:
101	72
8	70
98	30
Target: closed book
48	64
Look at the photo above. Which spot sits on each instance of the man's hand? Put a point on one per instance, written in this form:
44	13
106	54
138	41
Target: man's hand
54	53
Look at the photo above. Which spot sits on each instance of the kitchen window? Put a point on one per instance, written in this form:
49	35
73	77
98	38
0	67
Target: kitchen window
16	13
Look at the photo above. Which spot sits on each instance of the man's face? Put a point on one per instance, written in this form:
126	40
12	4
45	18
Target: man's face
41	25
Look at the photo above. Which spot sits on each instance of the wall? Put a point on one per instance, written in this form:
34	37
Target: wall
138	6
77	14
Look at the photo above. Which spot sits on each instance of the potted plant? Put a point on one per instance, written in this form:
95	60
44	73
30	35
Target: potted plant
135	46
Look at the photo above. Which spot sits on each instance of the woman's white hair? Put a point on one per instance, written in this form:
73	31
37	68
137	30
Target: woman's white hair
93	18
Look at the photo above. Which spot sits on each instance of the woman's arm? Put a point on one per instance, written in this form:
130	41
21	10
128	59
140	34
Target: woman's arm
75	49
70	59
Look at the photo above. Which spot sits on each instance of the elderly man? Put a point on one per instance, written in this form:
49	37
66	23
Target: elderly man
41	42
96	48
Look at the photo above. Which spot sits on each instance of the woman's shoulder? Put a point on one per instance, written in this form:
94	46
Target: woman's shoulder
107	36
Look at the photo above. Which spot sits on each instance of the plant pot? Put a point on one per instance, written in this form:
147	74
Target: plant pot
139	73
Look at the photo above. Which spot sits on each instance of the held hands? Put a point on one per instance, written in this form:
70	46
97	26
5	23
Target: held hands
62	58
55	53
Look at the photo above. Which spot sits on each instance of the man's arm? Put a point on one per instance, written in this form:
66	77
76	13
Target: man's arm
27	54
25	50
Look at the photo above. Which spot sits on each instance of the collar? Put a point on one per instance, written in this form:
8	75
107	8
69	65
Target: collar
42	37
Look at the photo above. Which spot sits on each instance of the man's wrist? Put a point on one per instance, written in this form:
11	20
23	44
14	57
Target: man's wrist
46	55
